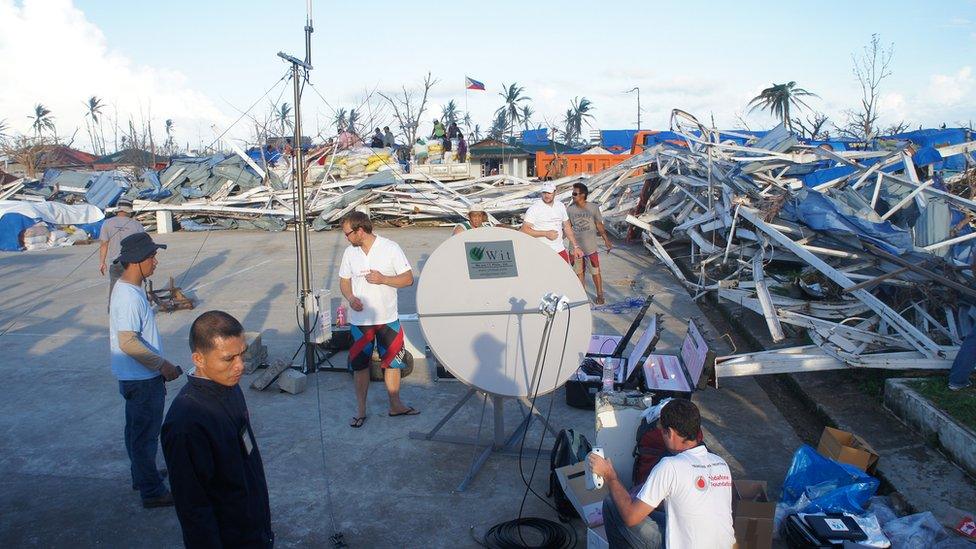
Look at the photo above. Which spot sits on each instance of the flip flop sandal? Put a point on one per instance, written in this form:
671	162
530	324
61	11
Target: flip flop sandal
357	422
408	412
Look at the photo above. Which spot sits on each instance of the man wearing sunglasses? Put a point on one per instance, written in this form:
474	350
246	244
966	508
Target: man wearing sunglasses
547	220
587	223
372	270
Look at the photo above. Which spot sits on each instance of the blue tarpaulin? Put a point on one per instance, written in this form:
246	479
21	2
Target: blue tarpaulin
851	217
617	141
535	137
935	138
260	156
11	225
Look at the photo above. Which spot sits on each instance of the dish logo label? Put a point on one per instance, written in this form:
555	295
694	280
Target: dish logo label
490	259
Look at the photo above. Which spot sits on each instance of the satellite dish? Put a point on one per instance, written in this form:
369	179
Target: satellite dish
478	302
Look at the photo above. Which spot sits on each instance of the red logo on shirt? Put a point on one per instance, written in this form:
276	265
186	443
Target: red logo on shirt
701	483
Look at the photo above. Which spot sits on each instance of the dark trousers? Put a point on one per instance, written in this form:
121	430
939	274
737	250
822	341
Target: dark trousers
649	534
144	401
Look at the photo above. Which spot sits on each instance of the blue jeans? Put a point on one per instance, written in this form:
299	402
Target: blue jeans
965	361
649	534
144	401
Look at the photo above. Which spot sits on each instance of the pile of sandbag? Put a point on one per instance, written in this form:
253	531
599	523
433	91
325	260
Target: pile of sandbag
360	161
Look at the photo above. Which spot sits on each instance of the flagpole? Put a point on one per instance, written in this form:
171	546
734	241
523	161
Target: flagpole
466	111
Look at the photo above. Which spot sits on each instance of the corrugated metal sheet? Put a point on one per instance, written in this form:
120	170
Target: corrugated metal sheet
106	189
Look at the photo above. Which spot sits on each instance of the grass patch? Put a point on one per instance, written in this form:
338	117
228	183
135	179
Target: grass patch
961	405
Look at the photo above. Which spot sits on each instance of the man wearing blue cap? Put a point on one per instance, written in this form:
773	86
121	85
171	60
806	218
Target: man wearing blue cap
138	364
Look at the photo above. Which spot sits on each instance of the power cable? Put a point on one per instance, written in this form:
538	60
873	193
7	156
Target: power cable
509	534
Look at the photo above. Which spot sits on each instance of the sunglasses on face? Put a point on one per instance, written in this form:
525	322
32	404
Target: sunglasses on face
577	194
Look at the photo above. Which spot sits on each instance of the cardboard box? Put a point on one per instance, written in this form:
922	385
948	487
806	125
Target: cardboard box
847	448
752	515
588	503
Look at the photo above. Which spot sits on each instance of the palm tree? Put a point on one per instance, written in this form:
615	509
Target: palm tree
169	134
778	99
42	119
449	113
527	113
578	114
92	121
476	133
513	95
340	120
466	121
499	125
283	114
353	119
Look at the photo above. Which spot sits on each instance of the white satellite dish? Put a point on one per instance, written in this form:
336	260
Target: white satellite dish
478	301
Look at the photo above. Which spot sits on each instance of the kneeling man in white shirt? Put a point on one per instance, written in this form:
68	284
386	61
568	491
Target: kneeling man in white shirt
695	483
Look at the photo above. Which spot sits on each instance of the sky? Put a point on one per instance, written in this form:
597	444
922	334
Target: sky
204	63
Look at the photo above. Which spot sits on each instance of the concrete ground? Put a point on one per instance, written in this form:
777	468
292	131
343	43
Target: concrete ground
64	476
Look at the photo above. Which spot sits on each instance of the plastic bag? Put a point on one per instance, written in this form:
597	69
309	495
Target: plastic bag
918	531
831	487
881	507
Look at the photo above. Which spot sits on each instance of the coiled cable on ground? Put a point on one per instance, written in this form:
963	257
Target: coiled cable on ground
510	534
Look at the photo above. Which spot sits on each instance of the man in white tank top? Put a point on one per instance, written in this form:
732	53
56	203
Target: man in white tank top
695	483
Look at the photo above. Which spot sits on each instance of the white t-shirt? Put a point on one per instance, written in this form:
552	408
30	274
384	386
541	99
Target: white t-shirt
697	486
548	217
379	300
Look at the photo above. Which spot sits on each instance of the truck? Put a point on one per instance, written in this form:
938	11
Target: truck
556	165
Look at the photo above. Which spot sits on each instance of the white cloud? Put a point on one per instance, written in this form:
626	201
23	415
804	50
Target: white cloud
951	89
50	53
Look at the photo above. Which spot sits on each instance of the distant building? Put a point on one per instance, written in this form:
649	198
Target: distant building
137	158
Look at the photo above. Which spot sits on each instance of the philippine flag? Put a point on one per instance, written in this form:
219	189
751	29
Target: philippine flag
472	84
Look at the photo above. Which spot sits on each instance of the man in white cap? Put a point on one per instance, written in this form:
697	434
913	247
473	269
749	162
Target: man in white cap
477	217
111	235
547	220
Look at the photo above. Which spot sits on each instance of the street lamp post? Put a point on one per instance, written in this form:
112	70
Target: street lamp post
637	89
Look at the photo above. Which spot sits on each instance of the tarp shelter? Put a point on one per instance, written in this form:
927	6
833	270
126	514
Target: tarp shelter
17	215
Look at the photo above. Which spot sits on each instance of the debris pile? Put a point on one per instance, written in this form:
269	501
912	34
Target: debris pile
869	252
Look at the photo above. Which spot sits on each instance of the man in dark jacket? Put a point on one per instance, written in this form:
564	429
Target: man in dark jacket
215	468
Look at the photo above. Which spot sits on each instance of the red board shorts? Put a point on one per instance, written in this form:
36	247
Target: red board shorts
580	265
388	337
565	255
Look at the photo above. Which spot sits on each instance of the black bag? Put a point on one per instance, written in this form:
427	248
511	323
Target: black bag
799	535
570	448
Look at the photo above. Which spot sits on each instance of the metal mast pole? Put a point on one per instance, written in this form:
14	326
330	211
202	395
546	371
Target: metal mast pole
638	109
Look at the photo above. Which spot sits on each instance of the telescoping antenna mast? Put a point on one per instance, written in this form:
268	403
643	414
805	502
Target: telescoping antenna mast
300	69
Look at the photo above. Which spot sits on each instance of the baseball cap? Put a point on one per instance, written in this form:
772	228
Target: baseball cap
548	187
475	207
124	205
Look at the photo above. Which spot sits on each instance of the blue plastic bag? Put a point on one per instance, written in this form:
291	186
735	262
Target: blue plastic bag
829	486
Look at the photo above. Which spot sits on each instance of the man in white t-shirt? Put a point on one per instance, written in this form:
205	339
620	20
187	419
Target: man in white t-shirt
372	270
547	220
695	483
